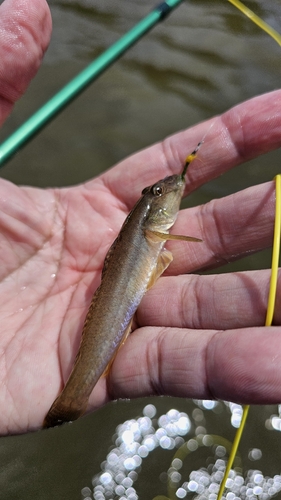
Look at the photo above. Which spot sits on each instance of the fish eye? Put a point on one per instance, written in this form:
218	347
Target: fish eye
157	190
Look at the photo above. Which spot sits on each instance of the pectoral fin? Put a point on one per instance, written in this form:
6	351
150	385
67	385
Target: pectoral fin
164	260
167	236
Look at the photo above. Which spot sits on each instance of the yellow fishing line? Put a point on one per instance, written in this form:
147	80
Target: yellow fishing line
268	320
275	253
183	452
234	449
257	20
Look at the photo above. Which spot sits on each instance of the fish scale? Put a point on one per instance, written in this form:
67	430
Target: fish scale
134	262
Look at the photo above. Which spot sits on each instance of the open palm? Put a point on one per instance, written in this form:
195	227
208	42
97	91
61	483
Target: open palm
188	342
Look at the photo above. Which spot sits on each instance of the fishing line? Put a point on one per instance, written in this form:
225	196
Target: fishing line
268	320
184	451
233	451
275	251
257	20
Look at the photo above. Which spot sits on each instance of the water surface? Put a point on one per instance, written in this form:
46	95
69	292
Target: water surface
203	59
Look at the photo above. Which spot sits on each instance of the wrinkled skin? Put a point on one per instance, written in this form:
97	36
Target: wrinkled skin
202	339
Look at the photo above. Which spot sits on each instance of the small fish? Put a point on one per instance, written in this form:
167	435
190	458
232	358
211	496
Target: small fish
134	262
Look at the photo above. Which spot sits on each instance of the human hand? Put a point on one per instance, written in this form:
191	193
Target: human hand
25	28
203	337
194	336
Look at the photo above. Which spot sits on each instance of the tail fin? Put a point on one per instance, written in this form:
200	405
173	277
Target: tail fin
61	412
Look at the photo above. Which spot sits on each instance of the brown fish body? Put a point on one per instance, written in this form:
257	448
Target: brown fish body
135	260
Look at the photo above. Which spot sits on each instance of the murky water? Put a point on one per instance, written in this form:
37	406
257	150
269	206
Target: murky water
188	443
203	59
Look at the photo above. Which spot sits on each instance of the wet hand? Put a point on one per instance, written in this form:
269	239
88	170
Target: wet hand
204	336
194	336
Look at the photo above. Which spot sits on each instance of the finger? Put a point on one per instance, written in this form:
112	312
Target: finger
236	365
245	131
224	301
230	228
25	28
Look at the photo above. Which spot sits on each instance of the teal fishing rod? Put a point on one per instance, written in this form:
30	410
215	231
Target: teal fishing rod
72	89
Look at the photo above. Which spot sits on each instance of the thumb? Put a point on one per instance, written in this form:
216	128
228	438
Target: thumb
25	30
